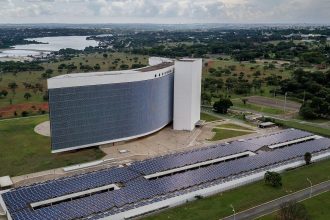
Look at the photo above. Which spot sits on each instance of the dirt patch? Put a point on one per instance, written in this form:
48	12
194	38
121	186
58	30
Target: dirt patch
31	108
274	103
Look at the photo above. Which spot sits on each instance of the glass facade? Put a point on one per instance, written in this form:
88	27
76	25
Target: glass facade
87	115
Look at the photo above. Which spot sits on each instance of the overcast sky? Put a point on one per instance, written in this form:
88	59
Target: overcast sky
165	11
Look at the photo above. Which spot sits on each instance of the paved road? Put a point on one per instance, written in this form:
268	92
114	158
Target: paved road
274	205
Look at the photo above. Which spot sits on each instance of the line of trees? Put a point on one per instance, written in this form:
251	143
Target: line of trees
313	88
15	67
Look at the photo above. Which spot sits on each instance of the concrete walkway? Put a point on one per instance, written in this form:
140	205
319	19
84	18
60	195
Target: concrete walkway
234	129
274	205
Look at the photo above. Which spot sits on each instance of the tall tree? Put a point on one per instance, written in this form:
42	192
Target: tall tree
293	211
222	106
13	86
3	93
308	158
27	96
273	178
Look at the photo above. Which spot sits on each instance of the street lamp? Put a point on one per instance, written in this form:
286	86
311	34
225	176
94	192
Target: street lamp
231	205
285	100
310	182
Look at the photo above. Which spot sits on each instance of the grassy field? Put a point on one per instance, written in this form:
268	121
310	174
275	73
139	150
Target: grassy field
23	151
258	108
306	127
113	61
218	206
248	69
234	126
317	207
221	134
208	117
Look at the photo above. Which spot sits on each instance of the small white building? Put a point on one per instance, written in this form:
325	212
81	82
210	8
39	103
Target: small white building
5	182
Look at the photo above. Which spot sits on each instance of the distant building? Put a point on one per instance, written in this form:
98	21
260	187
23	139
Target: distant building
89	109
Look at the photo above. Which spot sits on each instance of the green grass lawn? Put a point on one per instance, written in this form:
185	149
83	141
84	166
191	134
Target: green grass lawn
23	151
224	134
234	126
258	108
208	117
317	207
306	127
218	206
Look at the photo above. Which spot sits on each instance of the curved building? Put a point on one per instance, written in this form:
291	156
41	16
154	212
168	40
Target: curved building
89	109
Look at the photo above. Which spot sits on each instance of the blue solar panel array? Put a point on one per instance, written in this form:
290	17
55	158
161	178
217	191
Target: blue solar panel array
191	157
221	150
138	191
22	197
280	137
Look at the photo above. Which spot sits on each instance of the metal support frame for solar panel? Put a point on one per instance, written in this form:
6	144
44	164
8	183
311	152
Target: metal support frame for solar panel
70	197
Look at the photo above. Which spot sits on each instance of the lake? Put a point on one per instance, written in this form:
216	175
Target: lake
18	53
49	44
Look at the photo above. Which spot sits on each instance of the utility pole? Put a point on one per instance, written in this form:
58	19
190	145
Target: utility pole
310	182
231	205
285	100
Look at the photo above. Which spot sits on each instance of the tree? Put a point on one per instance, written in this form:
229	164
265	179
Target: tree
13	86
45	97
206	98
256	83
212	70
105	55
273	178
27	96
49	71
222	106
24	113
47	74
97	67
3	93
308	158
307	112
244	100
292	211
124	66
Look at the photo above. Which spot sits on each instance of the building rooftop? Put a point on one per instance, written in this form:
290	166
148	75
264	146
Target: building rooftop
156	67
118	72
5	181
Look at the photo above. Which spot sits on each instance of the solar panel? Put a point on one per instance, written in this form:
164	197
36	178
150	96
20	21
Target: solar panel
137	191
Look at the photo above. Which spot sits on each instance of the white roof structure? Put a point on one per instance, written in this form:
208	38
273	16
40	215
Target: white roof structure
156	66
265	124
5	181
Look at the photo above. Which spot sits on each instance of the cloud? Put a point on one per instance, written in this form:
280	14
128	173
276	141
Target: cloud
165	11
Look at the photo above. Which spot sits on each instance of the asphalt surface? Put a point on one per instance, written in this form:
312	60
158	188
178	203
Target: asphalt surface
274	205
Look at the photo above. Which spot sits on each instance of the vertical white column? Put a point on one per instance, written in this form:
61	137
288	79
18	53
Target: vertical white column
187	93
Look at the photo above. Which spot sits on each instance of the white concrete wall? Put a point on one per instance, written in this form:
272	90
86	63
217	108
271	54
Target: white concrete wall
158	60
187	93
